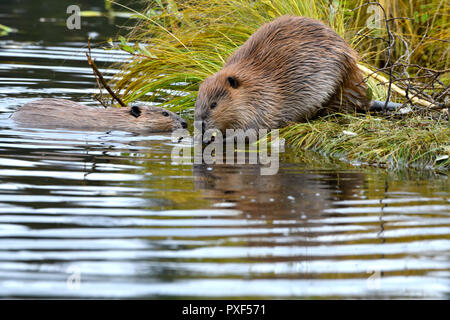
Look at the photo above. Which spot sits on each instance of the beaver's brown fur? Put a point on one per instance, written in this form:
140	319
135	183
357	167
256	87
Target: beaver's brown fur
291	69
61	113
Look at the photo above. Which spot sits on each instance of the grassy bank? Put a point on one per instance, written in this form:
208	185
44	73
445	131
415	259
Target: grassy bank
411	142
177	44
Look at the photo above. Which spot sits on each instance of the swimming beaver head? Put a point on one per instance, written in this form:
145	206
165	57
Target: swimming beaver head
154	119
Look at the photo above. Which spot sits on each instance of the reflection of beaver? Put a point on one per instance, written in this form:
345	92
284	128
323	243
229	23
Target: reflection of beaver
275	196
60	113
291	69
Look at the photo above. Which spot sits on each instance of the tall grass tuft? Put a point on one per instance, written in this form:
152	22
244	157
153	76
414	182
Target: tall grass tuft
177	44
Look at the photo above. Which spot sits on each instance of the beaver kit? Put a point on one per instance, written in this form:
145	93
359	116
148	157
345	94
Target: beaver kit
61	113
290	70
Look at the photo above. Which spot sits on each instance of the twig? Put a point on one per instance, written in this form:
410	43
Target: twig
101	102
389	44
423	68
389	41
422	90
98	74
397	89
429	95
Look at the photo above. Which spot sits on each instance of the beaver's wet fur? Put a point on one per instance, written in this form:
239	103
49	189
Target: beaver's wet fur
290	70
61	113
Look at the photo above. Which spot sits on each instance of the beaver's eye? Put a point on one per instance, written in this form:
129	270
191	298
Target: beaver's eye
213	105
135	111
165	114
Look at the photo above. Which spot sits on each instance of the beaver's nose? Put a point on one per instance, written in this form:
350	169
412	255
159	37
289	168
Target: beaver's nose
184	124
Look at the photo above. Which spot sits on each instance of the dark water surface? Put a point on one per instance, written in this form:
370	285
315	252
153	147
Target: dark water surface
86	214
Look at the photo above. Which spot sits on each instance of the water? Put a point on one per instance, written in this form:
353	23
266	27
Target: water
109	215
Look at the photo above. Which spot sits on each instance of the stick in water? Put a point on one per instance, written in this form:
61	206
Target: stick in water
98	74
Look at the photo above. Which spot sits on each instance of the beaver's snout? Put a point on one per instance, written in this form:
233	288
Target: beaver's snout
184	124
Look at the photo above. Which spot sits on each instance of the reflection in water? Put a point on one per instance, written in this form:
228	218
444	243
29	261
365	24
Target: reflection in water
134	224
89	214
116	209
291	193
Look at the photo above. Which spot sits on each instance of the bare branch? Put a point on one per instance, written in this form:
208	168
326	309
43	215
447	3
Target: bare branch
98	75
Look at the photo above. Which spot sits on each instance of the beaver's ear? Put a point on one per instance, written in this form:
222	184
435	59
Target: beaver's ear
135	111
233	82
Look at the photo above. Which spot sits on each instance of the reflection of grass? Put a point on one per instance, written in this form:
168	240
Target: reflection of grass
114	14
4	30
180	43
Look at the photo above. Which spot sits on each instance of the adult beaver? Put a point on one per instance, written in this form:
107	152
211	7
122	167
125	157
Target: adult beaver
61	113
291	69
